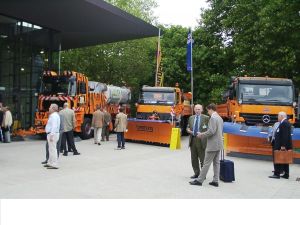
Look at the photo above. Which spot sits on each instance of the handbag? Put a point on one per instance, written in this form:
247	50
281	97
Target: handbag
283	156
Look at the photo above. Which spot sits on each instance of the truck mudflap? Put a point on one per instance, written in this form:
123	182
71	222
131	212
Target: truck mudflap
149	131
239	138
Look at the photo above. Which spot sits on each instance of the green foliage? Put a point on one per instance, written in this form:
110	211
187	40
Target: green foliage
130	63
234	38
209	61
264	35
142	9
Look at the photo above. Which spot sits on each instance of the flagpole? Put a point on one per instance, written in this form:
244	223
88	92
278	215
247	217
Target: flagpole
157	65
192	73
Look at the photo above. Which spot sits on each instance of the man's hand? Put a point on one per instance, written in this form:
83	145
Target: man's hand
199	135
189	131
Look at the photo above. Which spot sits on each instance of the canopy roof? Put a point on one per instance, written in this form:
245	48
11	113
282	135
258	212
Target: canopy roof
79	23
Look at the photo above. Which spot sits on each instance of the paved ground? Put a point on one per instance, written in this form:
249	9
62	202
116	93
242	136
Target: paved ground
141	171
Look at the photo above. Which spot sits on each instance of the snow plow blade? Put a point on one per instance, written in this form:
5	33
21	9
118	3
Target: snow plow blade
149	131
253	140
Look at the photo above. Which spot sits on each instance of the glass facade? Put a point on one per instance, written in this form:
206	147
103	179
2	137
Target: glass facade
25	51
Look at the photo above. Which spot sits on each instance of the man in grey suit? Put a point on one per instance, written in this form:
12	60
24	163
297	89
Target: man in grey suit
197	123
69	123
214	136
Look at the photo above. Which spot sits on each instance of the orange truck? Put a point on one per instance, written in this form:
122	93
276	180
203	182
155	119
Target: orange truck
258	100
172	107
253	104
82	95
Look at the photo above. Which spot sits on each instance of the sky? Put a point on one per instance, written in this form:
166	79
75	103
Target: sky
179	12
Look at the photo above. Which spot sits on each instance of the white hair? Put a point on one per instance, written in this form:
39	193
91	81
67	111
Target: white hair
66	105
54	107
282	114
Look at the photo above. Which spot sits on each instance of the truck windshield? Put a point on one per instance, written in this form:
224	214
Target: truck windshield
157	98
55	85
266	94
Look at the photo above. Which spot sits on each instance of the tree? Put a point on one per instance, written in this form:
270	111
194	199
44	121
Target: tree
128	63
210	62
264	35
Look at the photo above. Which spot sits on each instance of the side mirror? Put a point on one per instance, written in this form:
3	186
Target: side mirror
296	92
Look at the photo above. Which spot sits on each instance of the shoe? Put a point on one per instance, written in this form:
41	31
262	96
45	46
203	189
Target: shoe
281	172
47	165
99	143
274	176
76	153
65	154
195	182
44	162
118	148
123	148
194	176
213	183
52	168
285	176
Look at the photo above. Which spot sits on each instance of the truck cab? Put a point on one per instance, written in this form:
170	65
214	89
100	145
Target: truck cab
159	99
258	100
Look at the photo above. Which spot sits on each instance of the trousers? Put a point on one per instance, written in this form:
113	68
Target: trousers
105	132
68	137
97	134
210	157
53	157
121	139
197	153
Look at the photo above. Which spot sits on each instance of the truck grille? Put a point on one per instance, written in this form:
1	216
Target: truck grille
266	119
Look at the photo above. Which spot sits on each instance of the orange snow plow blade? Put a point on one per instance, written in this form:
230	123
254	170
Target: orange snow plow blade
149	131
23	133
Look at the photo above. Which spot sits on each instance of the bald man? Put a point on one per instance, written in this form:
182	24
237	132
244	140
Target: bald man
52	131
282	141
197	123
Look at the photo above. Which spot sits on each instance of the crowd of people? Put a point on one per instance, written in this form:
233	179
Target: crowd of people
61	124
205	142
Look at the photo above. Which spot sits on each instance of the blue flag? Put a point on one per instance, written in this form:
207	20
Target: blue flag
189	53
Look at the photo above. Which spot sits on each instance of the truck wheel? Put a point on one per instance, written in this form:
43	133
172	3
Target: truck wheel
86	131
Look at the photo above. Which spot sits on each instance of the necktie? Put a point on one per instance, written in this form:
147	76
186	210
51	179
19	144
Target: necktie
196	127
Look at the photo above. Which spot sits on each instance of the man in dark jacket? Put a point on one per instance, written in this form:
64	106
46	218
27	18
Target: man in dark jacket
283	140
105	128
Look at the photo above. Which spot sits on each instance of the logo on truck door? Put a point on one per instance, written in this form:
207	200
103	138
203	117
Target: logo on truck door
144	128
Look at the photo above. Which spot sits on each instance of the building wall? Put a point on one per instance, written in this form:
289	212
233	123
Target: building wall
24	54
